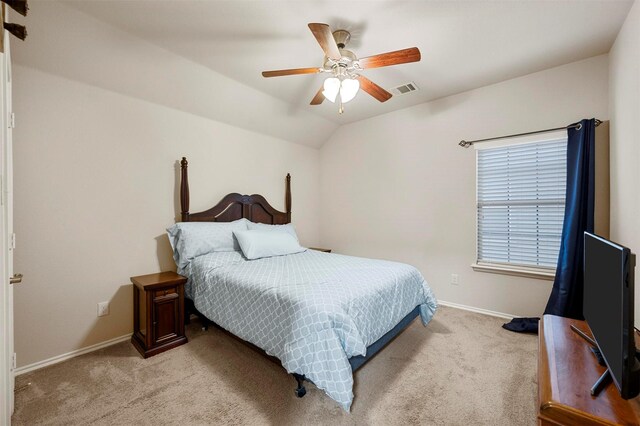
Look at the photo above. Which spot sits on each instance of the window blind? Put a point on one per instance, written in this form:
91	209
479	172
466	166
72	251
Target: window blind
520	203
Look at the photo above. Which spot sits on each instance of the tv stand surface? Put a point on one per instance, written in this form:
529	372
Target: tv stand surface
566	371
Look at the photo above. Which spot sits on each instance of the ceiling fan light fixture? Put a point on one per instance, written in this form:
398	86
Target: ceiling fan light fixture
348	89
331	88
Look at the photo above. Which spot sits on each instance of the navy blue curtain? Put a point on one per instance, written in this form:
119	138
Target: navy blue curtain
566	295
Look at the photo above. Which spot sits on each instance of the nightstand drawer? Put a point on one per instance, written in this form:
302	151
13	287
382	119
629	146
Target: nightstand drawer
172	292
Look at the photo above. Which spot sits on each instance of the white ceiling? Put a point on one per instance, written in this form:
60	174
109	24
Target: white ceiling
464	45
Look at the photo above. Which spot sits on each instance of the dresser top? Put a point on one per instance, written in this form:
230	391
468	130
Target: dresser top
566	371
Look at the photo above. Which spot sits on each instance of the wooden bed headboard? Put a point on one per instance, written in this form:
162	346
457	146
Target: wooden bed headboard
234	206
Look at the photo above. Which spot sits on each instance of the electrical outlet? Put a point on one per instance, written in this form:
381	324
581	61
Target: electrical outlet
454	279
103	309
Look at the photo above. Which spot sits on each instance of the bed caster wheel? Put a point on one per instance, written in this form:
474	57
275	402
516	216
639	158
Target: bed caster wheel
300	392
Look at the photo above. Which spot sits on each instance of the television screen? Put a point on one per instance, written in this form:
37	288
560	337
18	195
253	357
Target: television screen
608	308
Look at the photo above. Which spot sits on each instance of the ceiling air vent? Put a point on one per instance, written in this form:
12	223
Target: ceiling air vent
405	88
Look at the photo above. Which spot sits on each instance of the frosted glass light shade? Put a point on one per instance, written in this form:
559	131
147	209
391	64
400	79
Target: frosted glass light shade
349	89
331	89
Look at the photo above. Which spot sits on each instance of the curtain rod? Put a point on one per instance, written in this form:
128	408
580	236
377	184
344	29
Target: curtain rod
467	144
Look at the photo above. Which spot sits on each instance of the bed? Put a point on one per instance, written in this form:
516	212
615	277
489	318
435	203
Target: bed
321	315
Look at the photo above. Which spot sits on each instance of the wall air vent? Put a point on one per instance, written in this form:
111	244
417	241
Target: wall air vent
405	88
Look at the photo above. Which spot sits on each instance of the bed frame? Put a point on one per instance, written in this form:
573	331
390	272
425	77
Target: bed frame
257	209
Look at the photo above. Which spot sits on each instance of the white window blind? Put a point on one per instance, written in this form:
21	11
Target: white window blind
521	197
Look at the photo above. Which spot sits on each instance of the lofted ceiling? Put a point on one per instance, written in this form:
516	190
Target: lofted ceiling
464	44
205	57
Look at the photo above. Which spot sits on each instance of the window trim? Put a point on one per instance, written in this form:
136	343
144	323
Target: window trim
541	273
547	274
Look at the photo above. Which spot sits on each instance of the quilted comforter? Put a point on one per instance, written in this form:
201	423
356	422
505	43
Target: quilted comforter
311	310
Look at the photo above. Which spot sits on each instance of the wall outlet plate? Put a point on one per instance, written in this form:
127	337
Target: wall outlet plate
103	309
454	279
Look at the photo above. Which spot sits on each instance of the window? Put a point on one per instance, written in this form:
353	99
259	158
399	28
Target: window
520	205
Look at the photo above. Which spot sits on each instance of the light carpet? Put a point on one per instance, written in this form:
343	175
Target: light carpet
462	369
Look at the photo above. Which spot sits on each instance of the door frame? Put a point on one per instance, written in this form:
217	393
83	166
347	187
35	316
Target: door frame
7	356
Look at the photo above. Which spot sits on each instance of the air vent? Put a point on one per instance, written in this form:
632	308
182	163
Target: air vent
405	88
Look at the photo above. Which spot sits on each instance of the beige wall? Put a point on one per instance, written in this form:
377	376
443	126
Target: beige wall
398	186
95	187
624	107
95	181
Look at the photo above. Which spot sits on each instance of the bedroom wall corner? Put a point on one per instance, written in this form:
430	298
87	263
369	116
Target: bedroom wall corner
624	109
398	186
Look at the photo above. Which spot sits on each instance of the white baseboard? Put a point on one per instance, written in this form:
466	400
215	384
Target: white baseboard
59	358
477	310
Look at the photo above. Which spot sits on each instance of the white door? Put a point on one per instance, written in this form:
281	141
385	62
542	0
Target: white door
7	241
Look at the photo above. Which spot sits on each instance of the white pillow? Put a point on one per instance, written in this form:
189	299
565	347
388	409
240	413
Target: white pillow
192	239
258	244
288	228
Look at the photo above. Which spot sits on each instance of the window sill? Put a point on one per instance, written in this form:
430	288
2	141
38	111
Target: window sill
517	271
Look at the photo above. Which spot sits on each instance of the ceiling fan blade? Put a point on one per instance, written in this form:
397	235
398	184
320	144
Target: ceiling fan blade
318	98
323	34
403	56
294	71
373	89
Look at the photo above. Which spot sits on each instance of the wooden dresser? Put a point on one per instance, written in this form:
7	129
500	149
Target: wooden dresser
566	371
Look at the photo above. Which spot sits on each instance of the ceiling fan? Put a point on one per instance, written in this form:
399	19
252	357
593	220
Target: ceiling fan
345	67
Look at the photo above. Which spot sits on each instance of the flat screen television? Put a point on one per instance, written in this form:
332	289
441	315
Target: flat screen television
608	309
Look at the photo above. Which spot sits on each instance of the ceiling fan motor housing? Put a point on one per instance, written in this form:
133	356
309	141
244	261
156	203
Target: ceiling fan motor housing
348	61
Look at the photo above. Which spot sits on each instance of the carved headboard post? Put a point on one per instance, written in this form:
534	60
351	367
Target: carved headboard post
184	189
288	198
234	206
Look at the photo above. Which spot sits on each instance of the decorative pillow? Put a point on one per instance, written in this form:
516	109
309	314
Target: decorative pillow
288	228
258	244
192	239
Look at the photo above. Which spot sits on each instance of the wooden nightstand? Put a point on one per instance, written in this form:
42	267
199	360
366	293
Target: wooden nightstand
158	312
320	249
